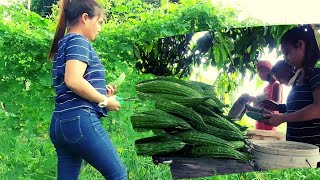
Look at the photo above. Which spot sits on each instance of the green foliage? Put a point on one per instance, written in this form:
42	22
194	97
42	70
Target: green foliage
145	28
229	50
292	174
28	96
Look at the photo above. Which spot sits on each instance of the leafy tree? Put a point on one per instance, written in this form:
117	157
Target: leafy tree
158	3
235	49
26	83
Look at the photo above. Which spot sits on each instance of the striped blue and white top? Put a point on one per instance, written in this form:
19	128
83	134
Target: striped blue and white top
77	47
299	97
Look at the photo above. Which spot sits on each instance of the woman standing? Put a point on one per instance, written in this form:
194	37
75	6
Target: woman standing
300	49
82	96
273	90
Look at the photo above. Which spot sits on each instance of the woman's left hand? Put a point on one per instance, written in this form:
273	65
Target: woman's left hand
111	90
273	119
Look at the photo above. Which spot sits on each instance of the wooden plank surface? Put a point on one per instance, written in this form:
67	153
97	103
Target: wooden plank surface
183	167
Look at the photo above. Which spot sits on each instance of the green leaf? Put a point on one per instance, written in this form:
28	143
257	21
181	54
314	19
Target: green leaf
120	80
217	57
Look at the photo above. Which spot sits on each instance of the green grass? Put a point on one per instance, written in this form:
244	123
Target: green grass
287	174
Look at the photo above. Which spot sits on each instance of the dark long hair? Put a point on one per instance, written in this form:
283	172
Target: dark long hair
306	34
70	11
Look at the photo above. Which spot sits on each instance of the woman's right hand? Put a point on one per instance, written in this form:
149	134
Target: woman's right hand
273	119
269	105
113	104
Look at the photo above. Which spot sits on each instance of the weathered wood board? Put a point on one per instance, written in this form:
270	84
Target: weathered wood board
184	167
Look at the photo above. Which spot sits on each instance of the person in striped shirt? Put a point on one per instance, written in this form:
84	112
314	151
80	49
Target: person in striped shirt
301	50
82	96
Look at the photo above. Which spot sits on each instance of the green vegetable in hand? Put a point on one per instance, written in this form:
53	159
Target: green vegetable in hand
120	80
256	116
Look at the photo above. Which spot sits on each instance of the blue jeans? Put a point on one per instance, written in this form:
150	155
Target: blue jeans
78	134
